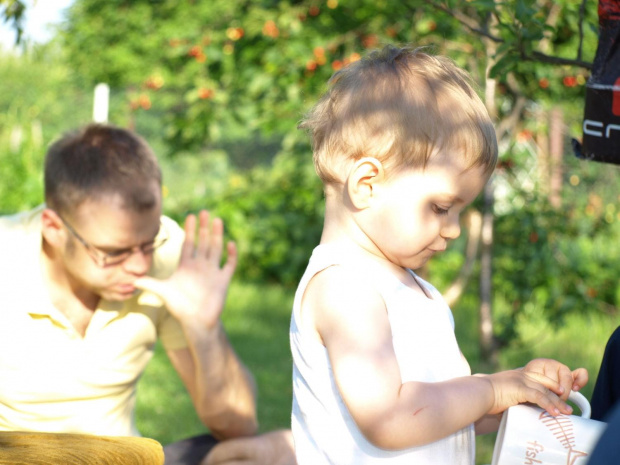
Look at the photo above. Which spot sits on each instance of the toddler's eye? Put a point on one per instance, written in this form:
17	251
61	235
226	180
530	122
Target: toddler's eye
439	210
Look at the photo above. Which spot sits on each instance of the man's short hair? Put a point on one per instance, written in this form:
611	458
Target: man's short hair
100	160
398	105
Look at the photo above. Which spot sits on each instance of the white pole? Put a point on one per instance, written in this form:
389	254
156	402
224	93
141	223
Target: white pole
100	106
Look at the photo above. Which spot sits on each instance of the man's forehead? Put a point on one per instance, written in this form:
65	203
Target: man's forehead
112	217
106	202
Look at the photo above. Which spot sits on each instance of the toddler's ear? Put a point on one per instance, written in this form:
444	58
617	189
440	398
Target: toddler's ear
364	176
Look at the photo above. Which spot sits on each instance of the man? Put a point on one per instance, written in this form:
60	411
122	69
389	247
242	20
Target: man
92	278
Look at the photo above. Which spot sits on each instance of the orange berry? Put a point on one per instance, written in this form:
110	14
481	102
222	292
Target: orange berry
195	51
234	33
144	101
570	81
370	41
205	93
270	29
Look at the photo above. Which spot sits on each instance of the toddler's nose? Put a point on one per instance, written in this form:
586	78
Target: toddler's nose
451	229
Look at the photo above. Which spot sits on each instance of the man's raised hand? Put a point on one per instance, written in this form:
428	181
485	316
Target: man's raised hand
196	292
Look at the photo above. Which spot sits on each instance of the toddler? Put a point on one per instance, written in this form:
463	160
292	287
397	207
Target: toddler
403	145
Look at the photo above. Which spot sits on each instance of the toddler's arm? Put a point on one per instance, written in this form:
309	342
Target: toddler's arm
350	320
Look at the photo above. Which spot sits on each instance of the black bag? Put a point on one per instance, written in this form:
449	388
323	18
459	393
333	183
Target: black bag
601	122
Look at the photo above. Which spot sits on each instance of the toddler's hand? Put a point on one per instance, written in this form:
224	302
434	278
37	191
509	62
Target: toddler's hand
520	386
568	380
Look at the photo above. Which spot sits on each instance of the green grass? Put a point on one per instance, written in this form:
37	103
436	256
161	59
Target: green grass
257	321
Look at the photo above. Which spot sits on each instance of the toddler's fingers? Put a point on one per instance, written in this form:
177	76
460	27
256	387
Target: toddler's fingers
543	391
566	379
546	382
546	399
580	378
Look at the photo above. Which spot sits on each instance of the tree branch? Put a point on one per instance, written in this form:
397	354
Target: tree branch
473	26
553	60
508	124
14	13
466	21
552	19
582	13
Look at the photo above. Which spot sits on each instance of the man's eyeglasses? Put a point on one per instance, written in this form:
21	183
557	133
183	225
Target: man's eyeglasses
104	259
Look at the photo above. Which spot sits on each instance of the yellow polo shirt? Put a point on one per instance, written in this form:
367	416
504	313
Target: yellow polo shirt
52	379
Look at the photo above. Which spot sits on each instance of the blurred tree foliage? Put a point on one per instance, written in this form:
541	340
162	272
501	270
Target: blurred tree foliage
558	260
219	74
12	12
255	65
221	86
40	99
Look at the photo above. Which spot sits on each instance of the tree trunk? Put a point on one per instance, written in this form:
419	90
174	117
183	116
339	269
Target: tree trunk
542	145
474	230
556	151
488	349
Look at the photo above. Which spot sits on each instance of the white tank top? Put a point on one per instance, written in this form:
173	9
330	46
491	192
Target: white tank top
426	350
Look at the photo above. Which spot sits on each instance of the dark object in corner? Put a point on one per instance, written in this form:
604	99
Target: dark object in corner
601	122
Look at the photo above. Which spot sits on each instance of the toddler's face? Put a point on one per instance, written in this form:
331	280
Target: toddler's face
416	212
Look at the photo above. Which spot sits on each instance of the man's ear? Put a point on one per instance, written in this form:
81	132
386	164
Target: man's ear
52	228
366	173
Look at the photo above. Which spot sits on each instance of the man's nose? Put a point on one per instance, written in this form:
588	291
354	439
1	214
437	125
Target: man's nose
138	262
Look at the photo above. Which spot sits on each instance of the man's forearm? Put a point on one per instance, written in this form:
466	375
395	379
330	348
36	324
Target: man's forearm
223	391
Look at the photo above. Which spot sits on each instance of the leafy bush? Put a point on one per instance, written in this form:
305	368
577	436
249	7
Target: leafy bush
274	213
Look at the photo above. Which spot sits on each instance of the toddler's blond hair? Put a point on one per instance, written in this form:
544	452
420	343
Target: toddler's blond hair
398	105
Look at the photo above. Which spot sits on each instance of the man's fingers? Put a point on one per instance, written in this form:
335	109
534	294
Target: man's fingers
190	237
203	233
231	259
146	283
210	237
274	448
232	462
231	452
216	240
